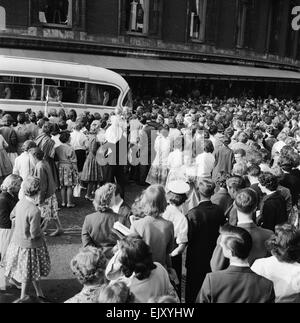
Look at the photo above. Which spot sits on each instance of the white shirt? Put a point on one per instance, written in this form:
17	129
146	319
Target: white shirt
78	140
24	165
180	223
205	164
56	140
285	276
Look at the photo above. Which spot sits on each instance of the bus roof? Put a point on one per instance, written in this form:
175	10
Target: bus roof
36	67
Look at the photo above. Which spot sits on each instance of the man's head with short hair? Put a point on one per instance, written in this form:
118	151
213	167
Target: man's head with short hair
235	242
246	201
235	184
206	188
253	171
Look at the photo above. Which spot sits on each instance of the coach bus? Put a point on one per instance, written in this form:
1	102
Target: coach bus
41	85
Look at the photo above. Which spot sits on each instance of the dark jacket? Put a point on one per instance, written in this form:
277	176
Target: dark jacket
236	285
292	182
204	222
97	231
223	199
224	159
273	211
7	204
259	237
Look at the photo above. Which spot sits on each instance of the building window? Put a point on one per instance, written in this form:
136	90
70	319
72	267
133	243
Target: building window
57	13
2	18
243	7
142	17
198	10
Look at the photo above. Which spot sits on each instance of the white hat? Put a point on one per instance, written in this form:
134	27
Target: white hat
178	187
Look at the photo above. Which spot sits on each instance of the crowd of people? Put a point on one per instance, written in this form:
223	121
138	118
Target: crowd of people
220	183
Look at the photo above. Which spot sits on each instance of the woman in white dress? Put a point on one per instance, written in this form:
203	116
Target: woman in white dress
159	169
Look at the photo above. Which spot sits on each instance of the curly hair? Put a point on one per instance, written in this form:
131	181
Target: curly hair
31	186
89	266
12	183
103	197
285	243
136	258
269	181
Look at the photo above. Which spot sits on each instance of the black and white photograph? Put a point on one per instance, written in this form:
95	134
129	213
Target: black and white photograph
149	154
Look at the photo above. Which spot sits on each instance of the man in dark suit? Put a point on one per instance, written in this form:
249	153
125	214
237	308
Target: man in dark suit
204	222
273	209
246	204
238	283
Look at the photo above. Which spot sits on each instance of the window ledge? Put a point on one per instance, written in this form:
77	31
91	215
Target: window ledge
198	41
56	26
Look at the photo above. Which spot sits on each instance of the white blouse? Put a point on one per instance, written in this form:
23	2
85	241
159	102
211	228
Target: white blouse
285	276
179	221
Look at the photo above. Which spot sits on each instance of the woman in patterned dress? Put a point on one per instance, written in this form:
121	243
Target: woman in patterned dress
67	169
89	268
92	172
27	258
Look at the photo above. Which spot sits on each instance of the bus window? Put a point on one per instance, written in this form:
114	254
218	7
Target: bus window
26	88
105	95
20	88
64	91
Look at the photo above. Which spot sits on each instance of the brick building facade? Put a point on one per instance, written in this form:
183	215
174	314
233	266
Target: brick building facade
249	34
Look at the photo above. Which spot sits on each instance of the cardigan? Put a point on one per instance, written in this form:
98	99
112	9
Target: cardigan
27	233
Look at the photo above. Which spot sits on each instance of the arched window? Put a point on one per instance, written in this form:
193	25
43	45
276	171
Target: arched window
2	18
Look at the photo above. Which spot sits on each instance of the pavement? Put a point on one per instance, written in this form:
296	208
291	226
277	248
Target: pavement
60	285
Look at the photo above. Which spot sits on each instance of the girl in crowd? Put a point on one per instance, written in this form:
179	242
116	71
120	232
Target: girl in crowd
79	144
67	169
283	267
8	200
27	258
47	145
6	166
91	172
159	169
97	230
47	198
133	265
89	268
176	197
156	231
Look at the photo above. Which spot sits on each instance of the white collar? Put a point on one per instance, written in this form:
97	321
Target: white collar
232	263
244	222
116	208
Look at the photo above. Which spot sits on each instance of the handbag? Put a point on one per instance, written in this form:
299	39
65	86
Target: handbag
77	191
